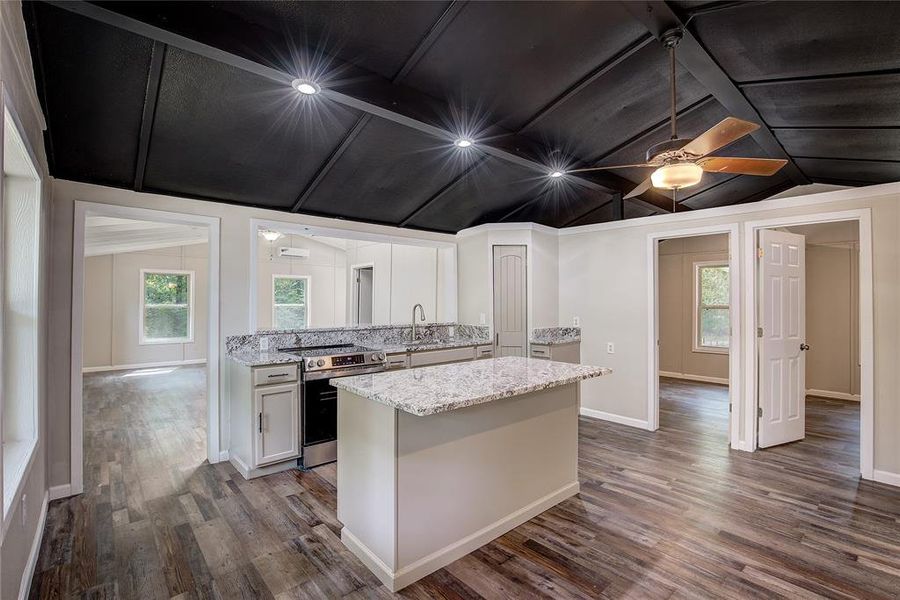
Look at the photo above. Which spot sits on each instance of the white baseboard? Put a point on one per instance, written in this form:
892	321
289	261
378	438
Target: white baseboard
223	456
60	491
833	395
691	377
25	583
396	580
151	365
886	477
605	416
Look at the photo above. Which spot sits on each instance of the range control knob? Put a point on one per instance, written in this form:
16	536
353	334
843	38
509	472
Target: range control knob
381	356
320	362
311	363
375	357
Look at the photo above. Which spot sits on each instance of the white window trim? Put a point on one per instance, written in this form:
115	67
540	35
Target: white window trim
695	343
12	484
308	297
143	340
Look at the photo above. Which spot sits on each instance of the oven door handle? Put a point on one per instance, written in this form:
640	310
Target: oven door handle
330	373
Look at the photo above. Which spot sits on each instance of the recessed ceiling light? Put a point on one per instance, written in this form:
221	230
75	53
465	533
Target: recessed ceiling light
307	87
463	143
556	174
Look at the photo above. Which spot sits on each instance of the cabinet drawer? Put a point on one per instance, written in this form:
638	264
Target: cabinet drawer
397	361
484	351
274	374
434	357
540	351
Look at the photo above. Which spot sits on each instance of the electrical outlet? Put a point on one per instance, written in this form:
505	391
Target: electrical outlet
576	321
451	331
264	343
482	319
610	348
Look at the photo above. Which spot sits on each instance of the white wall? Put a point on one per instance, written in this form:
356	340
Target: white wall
603	274
112	304
475	259
676	306
326	268
16	74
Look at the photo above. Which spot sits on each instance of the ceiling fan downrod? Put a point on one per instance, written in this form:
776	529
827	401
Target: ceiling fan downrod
670	40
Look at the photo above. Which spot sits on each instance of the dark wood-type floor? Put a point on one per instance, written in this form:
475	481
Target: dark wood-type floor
671	514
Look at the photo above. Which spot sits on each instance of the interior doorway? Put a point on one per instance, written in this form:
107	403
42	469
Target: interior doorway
856	323
363	294
145	332
808	310
694	308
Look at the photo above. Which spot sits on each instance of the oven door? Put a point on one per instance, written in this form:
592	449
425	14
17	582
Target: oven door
319	406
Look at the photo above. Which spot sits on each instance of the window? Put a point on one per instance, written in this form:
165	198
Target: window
167	313
20	318
290	302
712	310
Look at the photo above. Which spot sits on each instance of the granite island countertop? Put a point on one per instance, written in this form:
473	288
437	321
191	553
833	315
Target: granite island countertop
251	357
441	388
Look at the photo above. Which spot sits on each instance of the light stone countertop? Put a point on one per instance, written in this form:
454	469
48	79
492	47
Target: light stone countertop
260	358
551	336
430	390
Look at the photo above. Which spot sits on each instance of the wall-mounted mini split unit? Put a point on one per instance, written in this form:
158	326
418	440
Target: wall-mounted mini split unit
293	252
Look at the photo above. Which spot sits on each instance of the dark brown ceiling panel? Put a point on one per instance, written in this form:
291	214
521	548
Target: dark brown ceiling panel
769	40
93	79
386	174
738	189
627	100
378	36
871	144
224	133
498	186
507	59
601	214
851	171
861	101
558	204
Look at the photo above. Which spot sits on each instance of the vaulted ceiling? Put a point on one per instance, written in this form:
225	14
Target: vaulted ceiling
194	99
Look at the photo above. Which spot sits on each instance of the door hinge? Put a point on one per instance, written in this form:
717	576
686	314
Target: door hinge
759	412
759	332
759	252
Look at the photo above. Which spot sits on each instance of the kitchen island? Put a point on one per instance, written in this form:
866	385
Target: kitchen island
437	461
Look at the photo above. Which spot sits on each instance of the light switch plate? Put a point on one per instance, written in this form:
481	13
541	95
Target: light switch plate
263	343
610	348
576	321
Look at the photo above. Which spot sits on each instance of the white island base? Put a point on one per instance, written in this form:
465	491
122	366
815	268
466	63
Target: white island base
415	493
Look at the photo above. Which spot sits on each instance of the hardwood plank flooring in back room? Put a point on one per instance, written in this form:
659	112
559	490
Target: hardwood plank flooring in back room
671	514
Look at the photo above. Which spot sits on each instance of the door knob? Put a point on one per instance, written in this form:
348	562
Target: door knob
804	347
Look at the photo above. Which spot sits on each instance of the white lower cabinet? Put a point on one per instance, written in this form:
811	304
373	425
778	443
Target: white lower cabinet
277	423
570	353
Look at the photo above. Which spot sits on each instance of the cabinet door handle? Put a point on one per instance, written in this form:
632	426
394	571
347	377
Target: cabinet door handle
260	422
277	375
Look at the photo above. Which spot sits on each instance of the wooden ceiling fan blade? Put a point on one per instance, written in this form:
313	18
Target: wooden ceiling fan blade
588	169
742	166
728	130
640	189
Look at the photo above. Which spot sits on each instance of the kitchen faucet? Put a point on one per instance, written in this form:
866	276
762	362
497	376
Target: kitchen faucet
420	307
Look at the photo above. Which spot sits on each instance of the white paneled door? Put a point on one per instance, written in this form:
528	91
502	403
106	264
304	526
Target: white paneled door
509	301
782	356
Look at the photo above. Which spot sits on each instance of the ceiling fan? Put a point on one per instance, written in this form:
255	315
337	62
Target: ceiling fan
680	162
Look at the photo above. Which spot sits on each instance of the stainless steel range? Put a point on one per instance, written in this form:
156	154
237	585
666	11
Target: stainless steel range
318	398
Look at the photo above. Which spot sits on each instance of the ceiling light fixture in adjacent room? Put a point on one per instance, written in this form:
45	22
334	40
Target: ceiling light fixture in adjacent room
306	87
269	235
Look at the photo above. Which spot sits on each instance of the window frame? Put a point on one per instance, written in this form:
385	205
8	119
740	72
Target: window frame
696	346
276	276
143	340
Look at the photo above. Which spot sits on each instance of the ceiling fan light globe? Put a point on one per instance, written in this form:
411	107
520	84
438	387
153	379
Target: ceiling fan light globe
676	176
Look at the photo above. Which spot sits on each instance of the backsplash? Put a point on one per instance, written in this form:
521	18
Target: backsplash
381	335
